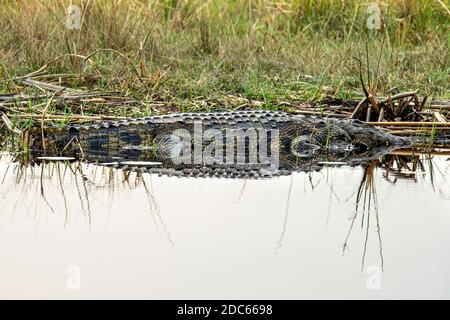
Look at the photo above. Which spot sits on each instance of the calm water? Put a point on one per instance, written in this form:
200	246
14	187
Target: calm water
83	231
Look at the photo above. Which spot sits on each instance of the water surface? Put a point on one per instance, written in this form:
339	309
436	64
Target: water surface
128	235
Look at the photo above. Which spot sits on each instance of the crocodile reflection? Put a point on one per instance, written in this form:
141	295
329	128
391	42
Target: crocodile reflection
88	177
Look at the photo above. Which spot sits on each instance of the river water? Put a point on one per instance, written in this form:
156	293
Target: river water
71	230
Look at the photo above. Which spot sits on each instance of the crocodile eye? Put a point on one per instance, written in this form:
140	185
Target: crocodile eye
361	147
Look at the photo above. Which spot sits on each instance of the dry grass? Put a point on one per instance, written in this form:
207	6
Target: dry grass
259	48
137	58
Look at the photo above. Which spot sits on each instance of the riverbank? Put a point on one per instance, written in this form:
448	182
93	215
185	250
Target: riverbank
131	59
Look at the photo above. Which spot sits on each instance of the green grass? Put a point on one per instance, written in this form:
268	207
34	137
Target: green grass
185	51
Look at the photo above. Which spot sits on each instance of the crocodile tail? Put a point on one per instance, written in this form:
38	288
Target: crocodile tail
52	140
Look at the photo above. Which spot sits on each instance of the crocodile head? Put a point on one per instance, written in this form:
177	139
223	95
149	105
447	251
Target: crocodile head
365	137
341	140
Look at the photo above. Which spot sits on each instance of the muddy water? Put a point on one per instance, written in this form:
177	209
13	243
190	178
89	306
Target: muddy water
83	231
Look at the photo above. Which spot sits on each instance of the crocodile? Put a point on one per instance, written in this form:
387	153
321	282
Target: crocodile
253	143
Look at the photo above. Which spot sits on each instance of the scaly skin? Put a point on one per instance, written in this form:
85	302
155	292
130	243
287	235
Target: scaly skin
300	140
